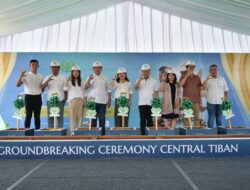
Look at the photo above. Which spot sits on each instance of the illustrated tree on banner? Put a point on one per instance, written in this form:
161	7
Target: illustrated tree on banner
156	109
187	106
19	109
54	110
123	109
90	110
227	110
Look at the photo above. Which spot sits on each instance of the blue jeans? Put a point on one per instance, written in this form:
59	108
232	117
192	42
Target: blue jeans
214	112
59	119
100	114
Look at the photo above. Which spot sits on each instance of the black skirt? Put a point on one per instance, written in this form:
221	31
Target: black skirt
170	116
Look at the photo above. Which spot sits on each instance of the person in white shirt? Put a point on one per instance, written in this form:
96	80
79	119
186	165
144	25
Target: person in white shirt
99	90
216	90
33	89
76	98
55	83
147	87
122	86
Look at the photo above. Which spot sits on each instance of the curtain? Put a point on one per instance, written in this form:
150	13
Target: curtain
127	27
237	68
7	62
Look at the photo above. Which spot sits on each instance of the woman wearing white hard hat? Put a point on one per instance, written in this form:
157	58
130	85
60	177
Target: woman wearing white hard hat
170	100
147	87
76	97
55	84
122	86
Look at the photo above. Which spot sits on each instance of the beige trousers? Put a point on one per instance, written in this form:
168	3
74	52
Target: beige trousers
75	113
196	110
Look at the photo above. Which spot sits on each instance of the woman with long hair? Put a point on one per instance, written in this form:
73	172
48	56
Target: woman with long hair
76	98
170	100
122	86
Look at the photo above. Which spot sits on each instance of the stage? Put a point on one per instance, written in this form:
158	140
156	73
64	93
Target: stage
88	147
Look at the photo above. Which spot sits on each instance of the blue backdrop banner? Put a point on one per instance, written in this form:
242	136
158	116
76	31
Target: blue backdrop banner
111	62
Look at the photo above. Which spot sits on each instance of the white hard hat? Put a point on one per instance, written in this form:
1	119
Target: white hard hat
97	64
55	63
190	62
75	67
170	71
121	70
145	67
167	69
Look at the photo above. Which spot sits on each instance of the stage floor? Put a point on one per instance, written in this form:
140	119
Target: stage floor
107	137
124	174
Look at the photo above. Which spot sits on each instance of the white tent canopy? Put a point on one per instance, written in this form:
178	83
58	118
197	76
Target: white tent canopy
125	26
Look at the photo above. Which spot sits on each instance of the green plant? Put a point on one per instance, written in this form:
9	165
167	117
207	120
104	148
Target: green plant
90	105
187	104
226	105
122	101
54	101
156	102
19	103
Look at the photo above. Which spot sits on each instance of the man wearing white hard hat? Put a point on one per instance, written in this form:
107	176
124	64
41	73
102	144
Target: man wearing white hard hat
147	87
122	86
76	97
191	84
54	84
99	90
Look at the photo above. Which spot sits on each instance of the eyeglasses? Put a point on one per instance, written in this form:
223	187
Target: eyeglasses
191	67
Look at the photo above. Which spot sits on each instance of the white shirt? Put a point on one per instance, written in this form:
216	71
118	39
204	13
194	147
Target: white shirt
32	83
74	91
146	91
215	90
122	88
56	86
100	88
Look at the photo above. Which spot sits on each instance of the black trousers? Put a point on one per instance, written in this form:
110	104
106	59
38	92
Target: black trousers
145	118
33	103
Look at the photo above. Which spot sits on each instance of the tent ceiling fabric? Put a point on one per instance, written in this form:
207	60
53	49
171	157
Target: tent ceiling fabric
233	15
124	26
22	15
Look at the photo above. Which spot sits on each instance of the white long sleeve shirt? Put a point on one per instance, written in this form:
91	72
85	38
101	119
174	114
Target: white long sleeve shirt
100	87
146	91
56	86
